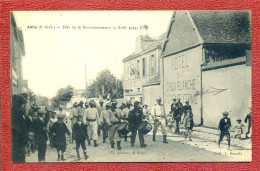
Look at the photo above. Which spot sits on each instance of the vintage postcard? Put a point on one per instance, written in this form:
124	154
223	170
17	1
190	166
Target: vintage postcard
130	86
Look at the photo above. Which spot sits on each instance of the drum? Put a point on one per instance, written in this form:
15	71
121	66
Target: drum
123	129
145	127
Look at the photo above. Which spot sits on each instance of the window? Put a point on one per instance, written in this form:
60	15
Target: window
144	67
153	64
138	69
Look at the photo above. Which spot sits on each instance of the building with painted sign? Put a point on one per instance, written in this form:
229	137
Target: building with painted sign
206	59
142	70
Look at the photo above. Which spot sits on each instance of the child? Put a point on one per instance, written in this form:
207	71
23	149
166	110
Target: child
188	124
59	129
170	123
238	129
80	135
52	120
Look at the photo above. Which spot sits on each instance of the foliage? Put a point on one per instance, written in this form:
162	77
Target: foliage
42	100
63	96
106	85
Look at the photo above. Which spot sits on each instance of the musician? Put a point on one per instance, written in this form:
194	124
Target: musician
160	119
135	119
92	120
100	108
124	114
113	120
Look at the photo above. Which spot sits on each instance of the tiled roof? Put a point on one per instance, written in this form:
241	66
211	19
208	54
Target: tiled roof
223	26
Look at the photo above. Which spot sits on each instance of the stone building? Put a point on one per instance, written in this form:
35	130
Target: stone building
141	80
18	84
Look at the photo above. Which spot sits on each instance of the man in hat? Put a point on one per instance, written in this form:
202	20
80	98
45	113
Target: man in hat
186	107
124	114
18	129
100	108
80	135
59	129
92	120
223	127
173	104
113	120
41	134
135	118
103	121
160	119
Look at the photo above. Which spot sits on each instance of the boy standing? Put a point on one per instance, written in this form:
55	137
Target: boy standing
59	129
224	125
238	129
80	135
188	123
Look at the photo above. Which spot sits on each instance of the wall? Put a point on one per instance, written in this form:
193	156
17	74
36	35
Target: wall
150	93
236	98
182	79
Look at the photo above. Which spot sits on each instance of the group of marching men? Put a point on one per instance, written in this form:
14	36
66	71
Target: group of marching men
88	120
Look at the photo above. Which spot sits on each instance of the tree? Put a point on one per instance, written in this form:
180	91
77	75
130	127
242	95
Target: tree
42	100
105	84
63	96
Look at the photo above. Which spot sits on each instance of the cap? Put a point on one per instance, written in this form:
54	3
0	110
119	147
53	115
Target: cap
225	113
101	101
174	99
128	103
158	98
239	120
87	103
187	101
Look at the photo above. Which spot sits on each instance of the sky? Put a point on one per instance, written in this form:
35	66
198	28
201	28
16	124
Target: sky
55	55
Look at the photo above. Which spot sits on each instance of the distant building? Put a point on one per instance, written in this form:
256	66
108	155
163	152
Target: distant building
141	80
18	84
78	95
206	59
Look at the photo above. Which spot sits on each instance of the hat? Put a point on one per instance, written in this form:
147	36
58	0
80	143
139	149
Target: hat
18	100
101	101
79	116
41	112
114	101
108	104
158	98
239	120
225	113
25	95
60	116
187	101
174	99
128	103
87	103
145	105
92	102
136	103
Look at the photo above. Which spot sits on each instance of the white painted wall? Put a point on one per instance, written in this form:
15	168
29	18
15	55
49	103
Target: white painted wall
237	97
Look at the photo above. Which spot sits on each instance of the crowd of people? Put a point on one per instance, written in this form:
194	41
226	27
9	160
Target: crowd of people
32	128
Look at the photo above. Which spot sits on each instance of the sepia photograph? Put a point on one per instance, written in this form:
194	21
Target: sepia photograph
130	86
